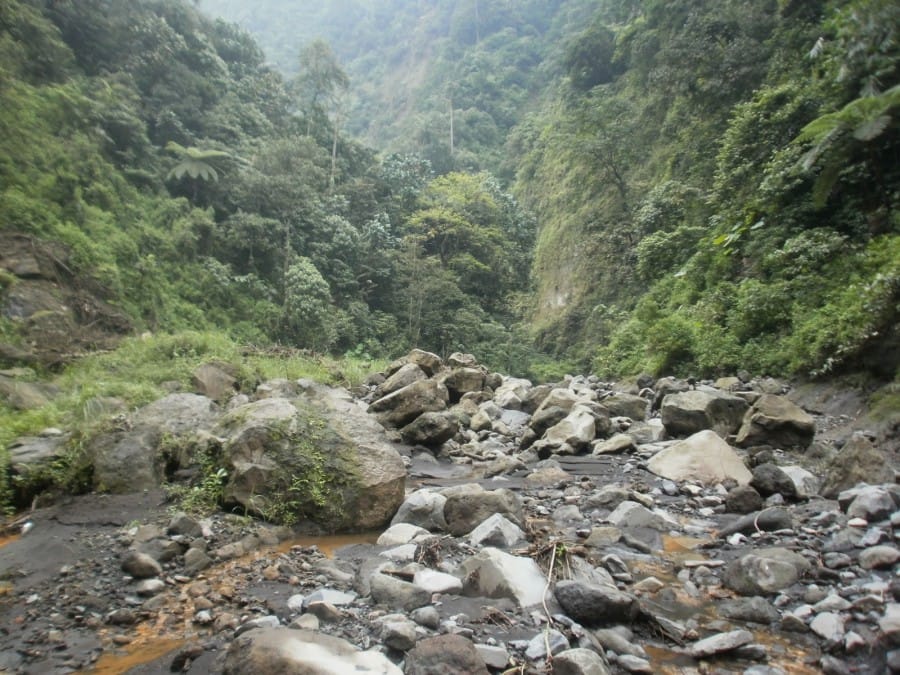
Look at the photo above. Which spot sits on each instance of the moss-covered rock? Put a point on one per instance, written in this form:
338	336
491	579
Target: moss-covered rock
318	457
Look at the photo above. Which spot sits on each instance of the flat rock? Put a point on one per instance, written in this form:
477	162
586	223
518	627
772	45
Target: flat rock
721	643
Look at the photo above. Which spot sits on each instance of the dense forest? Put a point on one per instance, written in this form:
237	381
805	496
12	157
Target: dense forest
626	186
199	189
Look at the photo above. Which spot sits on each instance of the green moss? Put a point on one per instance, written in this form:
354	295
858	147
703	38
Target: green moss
319	477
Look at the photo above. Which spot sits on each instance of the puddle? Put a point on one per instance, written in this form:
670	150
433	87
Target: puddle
328	544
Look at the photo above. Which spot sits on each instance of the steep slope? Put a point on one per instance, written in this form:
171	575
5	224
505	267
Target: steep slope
719	190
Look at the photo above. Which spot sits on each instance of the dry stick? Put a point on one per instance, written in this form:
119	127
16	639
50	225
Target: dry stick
546	610
756	519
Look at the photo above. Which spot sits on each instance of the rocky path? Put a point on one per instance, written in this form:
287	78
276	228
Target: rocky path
521	546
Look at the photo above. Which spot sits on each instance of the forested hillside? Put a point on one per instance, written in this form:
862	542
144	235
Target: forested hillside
713	185
715	182
717	188
191	186
413	65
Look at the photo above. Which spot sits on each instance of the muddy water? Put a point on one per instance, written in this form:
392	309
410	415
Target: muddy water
330	543
136	654
8	539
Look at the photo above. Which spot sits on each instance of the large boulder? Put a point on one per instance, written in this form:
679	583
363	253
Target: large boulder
576	430
215	380
627	405
703	457
595	604
405	375
774	420
319	457
512	393
493	573
859	461
461	381
691	411
20	394
431	429
286	651
424	508
404	405
467	506
132	460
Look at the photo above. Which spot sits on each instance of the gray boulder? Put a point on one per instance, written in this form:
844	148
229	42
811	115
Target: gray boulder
511	394
579	662
492	573
216	381
596	605
720	643
765	571
496	531
406	404
430	429
405	375
319	457
769	479
859	461
29	457
627	405
132	460
424	508
461	381
774	420
20	394
286	651
469	505
703	457
743	499
576	430
691	411
396	593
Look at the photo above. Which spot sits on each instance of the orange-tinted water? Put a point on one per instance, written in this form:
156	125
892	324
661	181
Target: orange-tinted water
135	654
328	544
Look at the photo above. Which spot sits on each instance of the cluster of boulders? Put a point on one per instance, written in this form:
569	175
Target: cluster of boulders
579	527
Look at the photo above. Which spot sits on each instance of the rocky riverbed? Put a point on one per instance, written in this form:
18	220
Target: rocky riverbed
583	527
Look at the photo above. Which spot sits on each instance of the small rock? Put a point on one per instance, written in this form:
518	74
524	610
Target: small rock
148	587
878	557
579	662
399	634
718	644
141	565
537	646
828	626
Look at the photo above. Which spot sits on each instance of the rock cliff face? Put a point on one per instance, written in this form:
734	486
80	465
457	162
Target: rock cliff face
57	313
